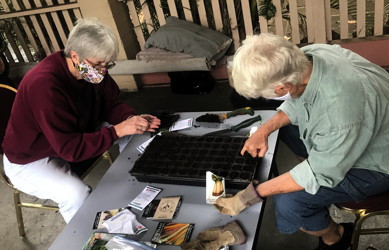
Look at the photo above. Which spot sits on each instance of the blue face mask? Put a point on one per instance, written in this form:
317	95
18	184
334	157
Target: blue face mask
282	98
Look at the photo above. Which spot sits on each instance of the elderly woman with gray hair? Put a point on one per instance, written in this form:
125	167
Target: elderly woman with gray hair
56	116
334	118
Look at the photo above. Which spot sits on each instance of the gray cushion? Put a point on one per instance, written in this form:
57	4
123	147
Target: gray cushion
190	38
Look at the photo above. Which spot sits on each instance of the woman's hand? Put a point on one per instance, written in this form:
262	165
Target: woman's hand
137	125
256	145
153	121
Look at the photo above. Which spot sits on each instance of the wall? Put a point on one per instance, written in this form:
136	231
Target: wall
375	50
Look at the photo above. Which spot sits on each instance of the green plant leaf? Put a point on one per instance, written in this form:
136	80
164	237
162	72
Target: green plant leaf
267	9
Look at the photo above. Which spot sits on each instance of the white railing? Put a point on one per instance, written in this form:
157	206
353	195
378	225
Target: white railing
309	21
35	29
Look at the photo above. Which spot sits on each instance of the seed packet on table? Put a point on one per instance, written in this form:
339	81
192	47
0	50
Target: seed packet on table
118	242
102	241
145	197
168	233
167	208
102	216
182	124
98	241
215	187
149	211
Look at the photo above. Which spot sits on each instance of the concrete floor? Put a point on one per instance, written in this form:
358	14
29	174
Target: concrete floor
42	226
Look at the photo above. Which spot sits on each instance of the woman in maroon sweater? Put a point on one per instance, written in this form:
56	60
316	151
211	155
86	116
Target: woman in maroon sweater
56	114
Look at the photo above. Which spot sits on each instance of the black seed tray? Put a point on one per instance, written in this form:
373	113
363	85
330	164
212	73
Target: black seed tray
184	160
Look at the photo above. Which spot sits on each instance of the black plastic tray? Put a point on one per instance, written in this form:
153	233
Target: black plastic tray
178	159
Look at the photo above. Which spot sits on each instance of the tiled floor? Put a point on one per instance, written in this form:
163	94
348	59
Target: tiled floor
42	227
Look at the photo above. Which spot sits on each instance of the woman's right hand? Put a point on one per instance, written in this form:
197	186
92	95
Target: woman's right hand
133	125
256	145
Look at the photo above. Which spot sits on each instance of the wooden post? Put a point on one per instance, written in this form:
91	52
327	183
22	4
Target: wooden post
115	14
319	21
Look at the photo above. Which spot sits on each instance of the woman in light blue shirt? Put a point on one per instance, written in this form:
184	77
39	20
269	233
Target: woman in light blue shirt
335	117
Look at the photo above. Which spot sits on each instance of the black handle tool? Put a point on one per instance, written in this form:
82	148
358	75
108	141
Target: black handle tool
236	128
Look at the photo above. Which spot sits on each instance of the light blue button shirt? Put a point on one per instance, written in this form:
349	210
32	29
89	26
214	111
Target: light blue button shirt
343	117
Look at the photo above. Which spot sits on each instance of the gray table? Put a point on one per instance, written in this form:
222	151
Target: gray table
117	188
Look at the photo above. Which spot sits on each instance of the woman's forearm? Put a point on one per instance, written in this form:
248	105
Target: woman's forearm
279	120
281	184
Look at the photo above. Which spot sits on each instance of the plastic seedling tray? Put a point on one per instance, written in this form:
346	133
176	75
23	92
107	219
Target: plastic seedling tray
179	159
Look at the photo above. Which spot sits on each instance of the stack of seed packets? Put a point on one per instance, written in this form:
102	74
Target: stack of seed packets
122	220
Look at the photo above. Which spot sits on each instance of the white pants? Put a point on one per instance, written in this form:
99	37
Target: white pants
51	178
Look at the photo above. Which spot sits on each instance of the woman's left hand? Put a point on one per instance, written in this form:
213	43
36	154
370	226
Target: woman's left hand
153	121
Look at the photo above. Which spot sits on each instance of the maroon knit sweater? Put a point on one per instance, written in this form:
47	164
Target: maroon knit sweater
56	115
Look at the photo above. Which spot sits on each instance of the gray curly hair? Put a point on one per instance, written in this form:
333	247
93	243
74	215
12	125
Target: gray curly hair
91	38
265	61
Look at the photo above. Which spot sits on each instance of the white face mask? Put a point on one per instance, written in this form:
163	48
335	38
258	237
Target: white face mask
282	98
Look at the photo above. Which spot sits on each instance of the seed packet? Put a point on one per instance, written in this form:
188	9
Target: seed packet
102	216
168	233
98	241
118	242
124	222
167	208
215	187
149	211
145	197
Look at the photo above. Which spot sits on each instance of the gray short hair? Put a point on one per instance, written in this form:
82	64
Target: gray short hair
265	61
91	38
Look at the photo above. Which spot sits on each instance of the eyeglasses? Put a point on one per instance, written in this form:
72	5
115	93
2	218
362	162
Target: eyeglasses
100	67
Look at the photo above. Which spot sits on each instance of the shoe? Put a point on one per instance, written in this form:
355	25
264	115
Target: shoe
344	243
